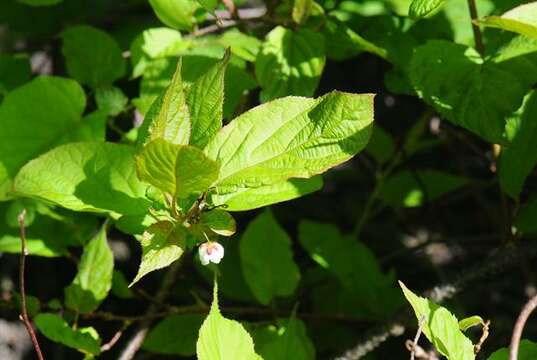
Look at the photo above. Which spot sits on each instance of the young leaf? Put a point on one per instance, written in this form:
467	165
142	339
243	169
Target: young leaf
86	176
205	99
219	221
521	19
85	340
422	8
290	137
253	198
526	351
94	278
178	14
290	63
34	118
168	117
469	322
179	170
223	339
93	57
290	342
268	276
175	335
440	327
162	244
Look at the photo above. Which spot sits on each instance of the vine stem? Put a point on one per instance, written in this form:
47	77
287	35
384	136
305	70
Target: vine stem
475	27
519	327
22	288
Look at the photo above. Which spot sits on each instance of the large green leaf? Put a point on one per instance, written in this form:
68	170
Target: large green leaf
223	339
15	70
178	14
353	264
471	93
94	278
518	159
93	57
422	8
162	244
526	351
268	276
179	170
290	137
175	335
168	117
253	198
521	19
85	340
290	63
290	341
34	118
86	176
440	327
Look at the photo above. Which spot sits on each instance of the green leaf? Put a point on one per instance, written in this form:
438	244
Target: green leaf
94	278
179	170
178	14
223	339
111	100
415	188
35	118
253	198
440	327
422	8
168	117
92	56
40	2
244	46
521	19
526	351
219	221
291	341
268	276
353	264
208	5
205	99
470	93
162	244
86	176
301	10
290	137
525	219
175	335
15	70
381	146
290	63
85	340
120	286
469	322
518	160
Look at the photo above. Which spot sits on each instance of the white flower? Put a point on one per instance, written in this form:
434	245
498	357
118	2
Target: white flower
211	251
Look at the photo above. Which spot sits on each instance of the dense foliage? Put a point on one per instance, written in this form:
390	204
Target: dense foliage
249	179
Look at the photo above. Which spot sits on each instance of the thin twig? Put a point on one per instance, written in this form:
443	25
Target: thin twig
519	327
475	27
230	6
484	336
417	338
24	312
113	341
420	352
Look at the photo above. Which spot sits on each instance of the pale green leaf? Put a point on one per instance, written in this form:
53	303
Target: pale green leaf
521	19
253	198
86	176
526	351
92	56
301	10
179	170
175	335
178	14
291	342
244	46
290	137
290	63
162	244
268	276
223	339
85	340
219	221
469	322
440	327
35	118
111	100
94	278
422	8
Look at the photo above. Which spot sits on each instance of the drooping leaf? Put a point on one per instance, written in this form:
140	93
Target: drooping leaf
290	63
440	327
178	14
290	137
290	341
86	176
15	70
252	198
223	339
219	221
469	322
94	278
34	118
175	335
527	351
179	170
162	244
93	57
422	8
85	340
268	276
521	19
111	100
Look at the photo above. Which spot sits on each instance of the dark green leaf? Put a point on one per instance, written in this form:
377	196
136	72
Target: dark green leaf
175	335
